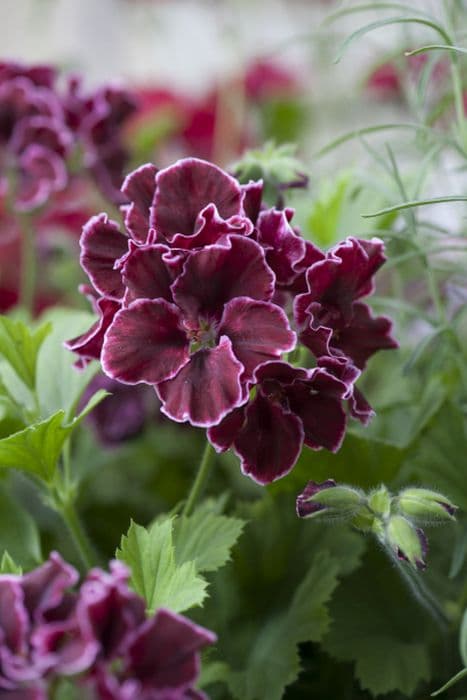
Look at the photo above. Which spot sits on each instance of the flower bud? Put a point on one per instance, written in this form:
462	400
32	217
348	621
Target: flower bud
425	506
328	500
380	501
408	542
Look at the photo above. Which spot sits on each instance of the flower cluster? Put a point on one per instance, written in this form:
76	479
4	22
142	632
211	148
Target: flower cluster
41	129
99	635
203	295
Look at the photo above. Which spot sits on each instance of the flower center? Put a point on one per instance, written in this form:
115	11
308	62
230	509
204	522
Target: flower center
202	337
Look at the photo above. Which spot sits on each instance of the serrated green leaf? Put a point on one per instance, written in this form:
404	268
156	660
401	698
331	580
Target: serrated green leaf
155	575
19	345
37	448
8	566
206	537
274	662
59	383
381	628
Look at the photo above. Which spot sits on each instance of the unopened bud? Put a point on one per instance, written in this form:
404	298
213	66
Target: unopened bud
407	541
380	501
328	500
425	506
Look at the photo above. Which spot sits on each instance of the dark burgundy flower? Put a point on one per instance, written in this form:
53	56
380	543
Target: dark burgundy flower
291	407
219	328
328	316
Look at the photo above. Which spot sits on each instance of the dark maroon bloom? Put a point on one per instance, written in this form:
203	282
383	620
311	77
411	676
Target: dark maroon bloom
97	120
219	329
305	508
291	407
330	319
101	632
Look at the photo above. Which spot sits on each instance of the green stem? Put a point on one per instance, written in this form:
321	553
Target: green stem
200	479
80	539
420	592
28	264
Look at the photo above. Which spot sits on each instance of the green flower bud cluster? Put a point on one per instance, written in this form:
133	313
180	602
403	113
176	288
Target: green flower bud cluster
393	519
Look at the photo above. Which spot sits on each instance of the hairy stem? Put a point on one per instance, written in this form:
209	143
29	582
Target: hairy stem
420	592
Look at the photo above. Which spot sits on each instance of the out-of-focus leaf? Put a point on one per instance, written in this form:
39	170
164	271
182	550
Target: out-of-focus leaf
19	345
19	537
59	383
37	448
8	566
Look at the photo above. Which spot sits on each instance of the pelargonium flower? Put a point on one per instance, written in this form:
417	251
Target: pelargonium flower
199	297
97	120
330	319
213	326
99	635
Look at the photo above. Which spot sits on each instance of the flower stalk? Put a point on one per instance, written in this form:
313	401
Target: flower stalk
199	483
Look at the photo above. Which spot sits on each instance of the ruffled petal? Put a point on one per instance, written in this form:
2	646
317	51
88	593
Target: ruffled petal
284	248
259	331
102	244
206	389
211	228
322	414
139	186
89	345
364	336
270	441
185	189
145	343
222	436
147	273
165	652
345	275
216	274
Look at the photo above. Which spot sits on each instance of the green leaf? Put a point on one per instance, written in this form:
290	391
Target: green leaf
155	575
438	455
273	662
206	537
37	448
59	383
20	347
379	627
323	220
8	566
19	537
